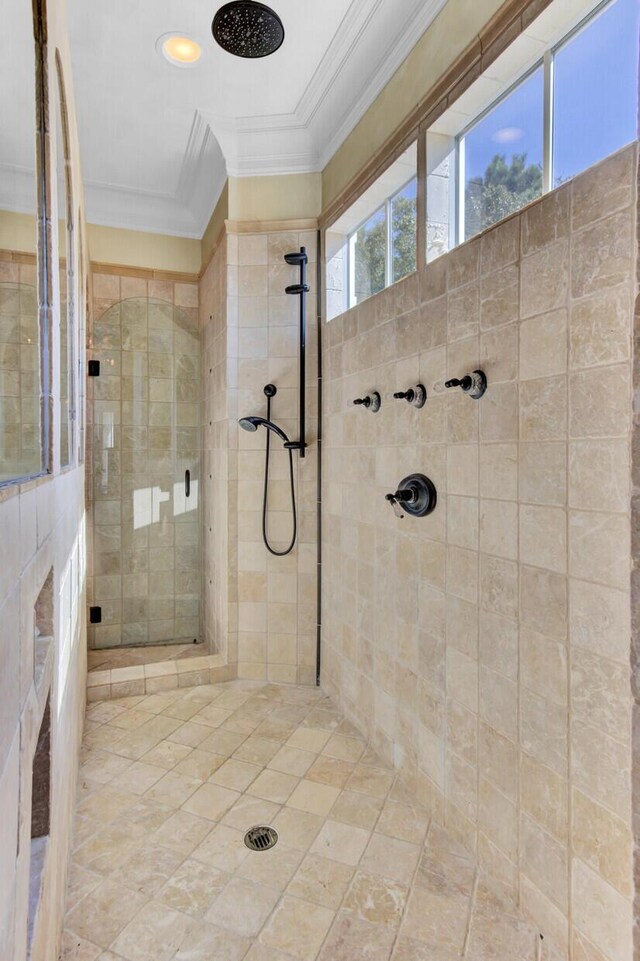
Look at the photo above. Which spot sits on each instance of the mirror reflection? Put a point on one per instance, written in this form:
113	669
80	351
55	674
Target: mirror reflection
20	415
65	274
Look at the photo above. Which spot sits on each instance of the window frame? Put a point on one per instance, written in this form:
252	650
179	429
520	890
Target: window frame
547	63
385	206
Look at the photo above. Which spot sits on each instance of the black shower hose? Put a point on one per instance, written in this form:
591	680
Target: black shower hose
265	536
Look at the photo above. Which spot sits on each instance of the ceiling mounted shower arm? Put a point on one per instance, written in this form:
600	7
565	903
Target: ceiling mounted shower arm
300	259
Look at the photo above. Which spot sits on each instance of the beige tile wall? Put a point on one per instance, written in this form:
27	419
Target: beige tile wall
251	339
216	557
485	649
145	576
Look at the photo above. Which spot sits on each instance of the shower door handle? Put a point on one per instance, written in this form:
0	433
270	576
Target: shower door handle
187	483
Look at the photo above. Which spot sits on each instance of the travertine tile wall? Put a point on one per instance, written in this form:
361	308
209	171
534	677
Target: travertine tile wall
20	453
216	558
143	433
276	596
485	649
252	341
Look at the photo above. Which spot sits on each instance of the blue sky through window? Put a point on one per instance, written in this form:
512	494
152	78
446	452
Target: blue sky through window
514	126
596	82
595	101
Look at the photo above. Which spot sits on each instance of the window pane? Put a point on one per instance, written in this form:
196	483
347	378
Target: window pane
595	99
403	231
503	157
368	257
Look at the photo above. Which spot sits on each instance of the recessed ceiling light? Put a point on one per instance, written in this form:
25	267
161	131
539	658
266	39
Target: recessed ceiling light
179	49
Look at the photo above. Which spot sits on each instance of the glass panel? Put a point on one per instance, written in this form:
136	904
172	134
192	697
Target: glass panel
596	90
368	257
441	165
145	438
502	156
20	416
65	274
403	231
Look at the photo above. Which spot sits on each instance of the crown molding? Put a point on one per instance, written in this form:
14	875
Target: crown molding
305	141
203	173
116	205
414	29
373	39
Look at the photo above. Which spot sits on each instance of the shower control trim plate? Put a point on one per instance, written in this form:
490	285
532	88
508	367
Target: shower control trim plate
416	495
473	385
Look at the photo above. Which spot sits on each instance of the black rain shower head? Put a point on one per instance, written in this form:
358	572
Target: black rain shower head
251	424
248	29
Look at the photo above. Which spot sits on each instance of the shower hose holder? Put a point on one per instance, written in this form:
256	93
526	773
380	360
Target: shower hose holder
416	495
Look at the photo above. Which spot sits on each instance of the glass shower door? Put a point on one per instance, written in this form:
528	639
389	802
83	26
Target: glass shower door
145	475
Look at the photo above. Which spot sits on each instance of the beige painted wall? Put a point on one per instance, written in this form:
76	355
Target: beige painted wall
17	232
42	526
485	649
135	248
287	197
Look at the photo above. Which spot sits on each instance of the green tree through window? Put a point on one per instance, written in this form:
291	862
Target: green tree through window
503	189
370	249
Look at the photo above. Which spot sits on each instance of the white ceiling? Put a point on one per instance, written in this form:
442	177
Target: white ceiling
157	141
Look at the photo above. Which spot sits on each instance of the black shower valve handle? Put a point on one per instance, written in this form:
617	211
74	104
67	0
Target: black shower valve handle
416	396
371	402
396	499
464	383
473	385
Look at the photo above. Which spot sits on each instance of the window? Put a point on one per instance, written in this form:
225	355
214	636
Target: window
367	257
374	243
595	72
500	158
403	231
383	249
574	103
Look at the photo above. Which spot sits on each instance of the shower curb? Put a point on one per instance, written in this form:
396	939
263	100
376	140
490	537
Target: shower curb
157	677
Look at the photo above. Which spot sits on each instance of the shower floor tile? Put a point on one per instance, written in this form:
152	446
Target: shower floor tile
161	871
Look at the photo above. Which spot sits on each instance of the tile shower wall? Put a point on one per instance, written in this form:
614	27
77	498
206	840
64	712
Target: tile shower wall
251	339
485	649
216	556
143	433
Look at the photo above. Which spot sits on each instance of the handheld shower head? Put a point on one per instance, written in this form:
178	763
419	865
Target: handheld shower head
251	424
